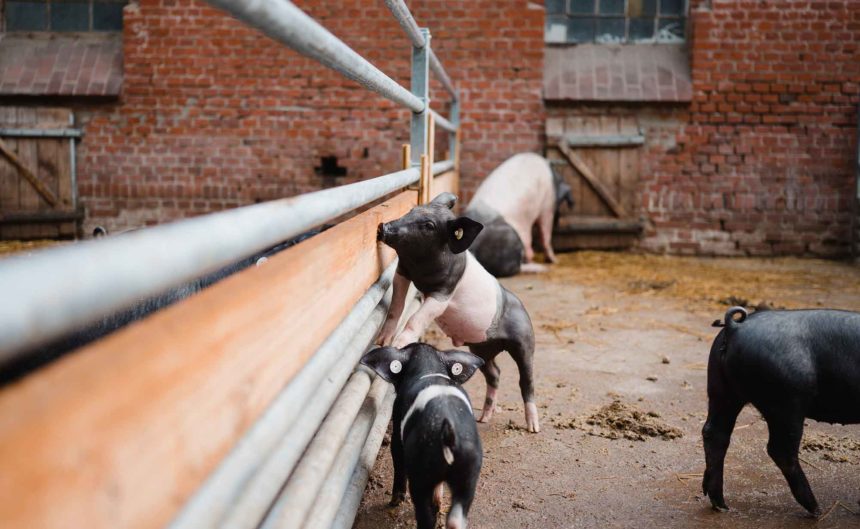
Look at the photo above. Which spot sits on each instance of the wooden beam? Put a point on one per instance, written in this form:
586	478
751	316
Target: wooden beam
121	432
592	180
606	140
43	217
28	174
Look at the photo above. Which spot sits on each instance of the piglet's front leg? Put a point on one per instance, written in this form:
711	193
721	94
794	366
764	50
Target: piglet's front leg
430	309
398	301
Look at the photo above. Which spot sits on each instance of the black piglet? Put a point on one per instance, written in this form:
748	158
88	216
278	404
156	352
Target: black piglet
435	439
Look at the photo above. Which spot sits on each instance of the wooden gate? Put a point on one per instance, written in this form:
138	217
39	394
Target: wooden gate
38	198
599	157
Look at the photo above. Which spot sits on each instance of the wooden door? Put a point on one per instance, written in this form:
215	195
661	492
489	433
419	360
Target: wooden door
598	156
37	184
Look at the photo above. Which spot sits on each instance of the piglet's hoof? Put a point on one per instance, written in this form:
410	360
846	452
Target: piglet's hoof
438	495
532	422
487	414
396	499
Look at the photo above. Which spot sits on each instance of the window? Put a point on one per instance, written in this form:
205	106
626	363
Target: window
615	21
63	15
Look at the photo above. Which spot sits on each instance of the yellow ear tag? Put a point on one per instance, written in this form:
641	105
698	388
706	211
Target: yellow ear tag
458	233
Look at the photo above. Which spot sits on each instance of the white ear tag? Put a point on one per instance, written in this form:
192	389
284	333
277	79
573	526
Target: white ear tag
395	366
458	233
456	369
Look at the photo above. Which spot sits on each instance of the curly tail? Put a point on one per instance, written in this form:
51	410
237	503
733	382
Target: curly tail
449	441
730	322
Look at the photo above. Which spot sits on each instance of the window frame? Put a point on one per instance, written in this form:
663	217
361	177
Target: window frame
48	29
596	16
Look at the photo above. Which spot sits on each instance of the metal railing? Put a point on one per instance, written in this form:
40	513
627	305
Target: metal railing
329	403
113	274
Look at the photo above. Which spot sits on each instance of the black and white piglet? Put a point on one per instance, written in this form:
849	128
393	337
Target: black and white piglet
790	364
434	439
466	301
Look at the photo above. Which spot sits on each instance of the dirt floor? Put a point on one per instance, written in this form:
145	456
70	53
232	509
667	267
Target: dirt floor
622	345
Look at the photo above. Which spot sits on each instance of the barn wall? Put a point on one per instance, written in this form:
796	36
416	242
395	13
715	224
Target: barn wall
213	115
765	163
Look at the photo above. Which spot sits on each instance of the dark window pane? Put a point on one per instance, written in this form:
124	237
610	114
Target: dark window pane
26	16
70	16
580	30
556	29
641	29
610	30
107	16
582	7
641	8
554	7
671	30
672	7
611	7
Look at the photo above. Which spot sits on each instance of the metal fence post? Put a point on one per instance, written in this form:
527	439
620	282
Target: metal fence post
421	90
453	137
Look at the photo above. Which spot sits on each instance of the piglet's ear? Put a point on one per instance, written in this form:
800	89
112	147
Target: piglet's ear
462	232
445	199
461	365
388	362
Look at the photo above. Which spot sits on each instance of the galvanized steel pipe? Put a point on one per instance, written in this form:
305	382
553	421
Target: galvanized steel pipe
325	505
442	75
407	22
348	508
440	120
319	379
58	290
251	503
297	496
286	23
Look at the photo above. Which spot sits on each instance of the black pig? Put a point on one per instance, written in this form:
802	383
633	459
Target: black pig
434	439
790	365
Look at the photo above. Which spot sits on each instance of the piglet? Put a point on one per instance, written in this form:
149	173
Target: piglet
434	439
518	194
466	301
790	364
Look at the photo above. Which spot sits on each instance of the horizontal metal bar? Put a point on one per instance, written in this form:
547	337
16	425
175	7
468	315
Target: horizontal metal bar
442	75
348	508
443	167
443	122
235	487
57	290
286	23
41	133
300	492
407	22
326	503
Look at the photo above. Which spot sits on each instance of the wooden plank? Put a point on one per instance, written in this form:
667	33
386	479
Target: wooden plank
9	194
122	432
628	168
608	169
593	181
591	202
446	182
605	140
27	151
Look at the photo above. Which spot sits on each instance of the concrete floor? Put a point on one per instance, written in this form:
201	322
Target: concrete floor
605	325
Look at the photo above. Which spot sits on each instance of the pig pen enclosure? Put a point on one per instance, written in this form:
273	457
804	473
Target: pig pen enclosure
241	406
237	407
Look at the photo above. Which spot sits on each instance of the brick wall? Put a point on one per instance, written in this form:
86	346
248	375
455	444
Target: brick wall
765	161
213	115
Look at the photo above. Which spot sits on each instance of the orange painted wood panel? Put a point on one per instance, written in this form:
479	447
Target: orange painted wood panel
120	433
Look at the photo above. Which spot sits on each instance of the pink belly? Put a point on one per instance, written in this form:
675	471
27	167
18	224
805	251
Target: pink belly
462	329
